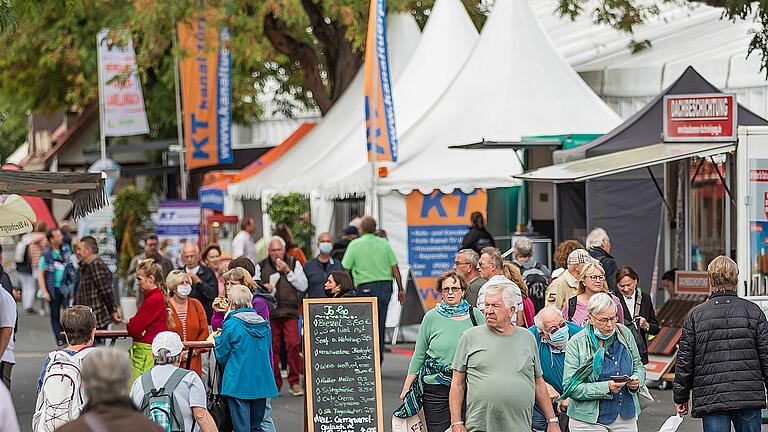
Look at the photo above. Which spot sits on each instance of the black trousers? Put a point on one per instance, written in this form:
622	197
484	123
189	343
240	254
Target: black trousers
436	410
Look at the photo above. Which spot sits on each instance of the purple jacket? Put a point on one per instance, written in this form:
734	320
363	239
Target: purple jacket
260	305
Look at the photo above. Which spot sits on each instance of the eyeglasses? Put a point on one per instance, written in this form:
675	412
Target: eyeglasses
605	321
557	327
451	289
596	277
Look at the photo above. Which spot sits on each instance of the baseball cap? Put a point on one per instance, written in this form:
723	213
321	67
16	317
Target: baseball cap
168	340
349	230
580	256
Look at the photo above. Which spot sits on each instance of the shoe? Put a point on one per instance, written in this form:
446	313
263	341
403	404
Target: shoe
29	311
283	373
296	390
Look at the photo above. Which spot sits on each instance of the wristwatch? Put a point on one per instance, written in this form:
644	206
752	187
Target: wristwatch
553	420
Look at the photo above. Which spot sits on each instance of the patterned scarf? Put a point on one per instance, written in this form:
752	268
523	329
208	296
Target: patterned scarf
449	311
595	367
414	398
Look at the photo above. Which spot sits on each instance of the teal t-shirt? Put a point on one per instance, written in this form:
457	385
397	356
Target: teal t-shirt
370	259
58	267
438	338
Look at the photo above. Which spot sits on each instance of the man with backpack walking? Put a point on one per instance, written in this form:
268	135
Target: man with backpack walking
172	397
535	274
50	274
60	395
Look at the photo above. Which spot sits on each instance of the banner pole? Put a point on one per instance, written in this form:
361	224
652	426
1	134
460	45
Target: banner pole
179	121
102	132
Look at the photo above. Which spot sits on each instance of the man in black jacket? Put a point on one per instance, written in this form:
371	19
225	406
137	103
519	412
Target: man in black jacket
205	286
599	246
723	356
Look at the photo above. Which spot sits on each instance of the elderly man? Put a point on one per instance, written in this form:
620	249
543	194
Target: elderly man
499	394
106	377
599	246
466	263
552	333
491	267
243	243
373	265
285	277
205	286
723	356
565	286
318	269
535	274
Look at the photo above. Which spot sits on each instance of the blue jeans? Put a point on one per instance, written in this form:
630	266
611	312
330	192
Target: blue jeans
268	424
383	292
746	420
58	301
247	414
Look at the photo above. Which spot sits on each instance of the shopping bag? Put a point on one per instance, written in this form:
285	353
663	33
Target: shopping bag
671	424
415	423
644	397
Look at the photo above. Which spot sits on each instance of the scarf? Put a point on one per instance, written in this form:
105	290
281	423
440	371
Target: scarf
414	398
449	311
595	367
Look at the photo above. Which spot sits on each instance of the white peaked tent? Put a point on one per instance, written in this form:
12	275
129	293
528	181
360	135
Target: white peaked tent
514	84
403	37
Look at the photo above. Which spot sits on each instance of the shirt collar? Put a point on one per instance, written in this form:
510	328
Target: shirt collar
194	269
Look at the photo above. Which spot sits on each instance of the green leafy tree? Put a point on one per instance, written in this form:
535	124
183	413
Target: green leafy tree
130	221
293	210
7	17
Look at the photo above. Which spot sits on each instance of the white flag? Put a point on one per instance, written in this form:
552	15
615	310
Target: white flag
123	102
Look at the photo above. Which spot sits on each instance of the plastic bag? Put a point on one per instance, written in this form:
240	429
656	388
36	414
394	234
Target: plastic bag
415	423
671	424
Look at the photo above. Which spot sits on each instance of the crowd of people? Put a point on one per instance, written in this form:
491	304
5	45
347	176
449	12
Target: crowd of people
574	340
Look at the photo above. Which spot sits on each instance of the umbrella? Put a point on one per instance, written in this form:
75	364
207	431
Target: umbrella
16	216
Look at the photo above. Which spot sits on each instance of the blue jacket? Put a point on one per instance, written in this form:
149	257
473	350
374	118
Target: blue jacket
243	348
316	276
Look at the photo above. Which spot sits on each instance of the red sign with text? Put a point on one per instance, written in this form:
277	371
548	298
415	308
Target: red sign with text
700	117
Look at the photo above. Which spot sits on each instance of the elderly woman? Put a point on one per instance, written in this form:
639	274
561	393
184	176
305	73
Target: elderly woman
151	318
243	349
428	381
591	281
188	315
339	284
639	315
603	372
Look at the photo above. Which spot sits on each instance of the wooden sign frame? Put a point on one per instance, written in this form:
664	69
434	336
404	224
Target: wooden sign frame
309	391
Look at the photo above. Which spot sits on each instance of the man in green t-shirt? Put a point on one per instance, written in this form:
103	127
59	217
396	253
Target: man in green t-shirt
373	265
497	366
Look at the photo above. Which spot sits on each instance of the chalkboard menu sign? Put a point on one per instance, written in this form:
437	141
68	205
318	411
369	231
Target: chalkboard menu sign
343	375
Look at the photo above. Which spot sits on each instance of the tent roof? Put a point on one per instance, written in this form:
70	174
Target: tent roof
85	190
645	127
514	84
343	117
448	39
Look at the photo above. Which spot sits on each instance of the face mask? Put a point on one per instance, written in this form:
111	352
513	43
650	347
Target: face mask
183	290
602	336
325	248
560	337
328	293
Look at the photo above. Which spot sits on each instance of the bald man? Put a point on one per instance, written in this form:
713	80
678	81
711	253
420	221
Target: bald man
205	287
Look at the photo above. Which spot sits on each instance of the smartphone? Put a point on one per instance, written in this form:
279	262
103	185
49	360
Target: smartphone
619	378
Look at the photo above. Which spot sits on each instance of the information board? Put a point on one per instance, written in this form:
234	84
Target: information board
343	373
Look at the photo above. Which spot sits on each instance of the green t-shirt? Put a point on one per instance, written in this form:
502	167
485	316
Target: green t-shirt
438	337
501	371
58	267
370	258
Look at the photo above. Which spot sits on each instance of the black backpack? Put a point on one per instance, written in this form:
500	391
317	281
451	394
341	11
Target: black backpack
537	282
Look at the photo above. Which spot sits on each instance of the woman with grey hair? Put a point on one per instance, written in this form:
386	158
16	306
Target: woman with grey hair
105	376
603	372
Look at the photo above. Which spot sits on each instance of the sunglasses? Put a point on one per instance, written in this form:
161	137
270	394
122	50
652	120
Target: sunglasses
450	289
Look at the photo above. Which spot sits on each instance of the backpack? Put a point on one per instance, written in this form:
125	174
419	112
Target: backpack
537	282
62	397
159	405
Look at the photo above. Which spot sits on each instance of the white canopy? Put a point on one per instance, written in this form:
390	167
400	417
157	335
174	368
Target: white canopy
344	116
514	84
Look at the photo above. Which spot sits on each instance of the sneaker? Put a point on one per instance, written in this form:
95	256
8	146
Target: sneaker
296	390
283	373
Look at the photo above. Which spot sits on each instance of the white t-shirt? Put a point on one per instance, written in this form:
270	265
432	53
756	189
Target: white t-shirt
190	392
8	319
8	421
242	245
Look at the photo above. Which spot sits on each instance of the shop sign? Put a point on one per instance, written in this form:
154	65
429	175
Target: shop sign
691	282
700	117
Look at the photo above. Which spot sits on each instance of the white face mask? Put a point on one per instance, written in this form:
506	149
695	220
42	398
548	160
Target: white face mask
183	290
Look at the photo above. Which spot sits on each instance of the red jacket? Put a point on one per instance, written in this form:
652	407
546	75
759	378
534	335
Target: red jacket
150	319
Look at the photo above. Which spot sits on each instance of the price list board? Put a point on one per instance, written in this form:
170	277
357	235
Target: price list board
343	373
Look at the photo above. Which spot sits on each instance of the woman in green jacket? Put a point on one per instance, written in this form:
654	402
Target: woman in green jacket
603	372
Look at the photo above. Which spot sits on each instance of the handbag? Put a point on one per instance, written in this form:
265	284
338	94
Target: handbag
217	403
415	423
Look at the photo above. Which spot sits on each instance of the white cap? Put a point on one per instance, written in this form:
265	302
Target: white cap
168	340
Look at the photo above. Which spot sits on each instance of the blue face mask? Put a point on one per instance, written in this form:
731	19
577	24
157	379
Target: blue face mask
602	336
325	248
560	337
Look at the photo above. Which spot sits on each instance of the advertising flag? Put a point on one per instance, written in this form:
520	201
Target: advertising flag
380	127
206	90
119	87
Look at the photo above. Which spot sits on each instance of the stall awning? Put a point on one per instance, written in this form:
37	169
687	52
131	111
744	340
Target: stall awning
622	161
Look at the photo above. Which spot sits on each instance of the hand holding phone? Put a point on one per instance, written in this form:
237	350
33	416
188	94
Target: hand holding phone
619	378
